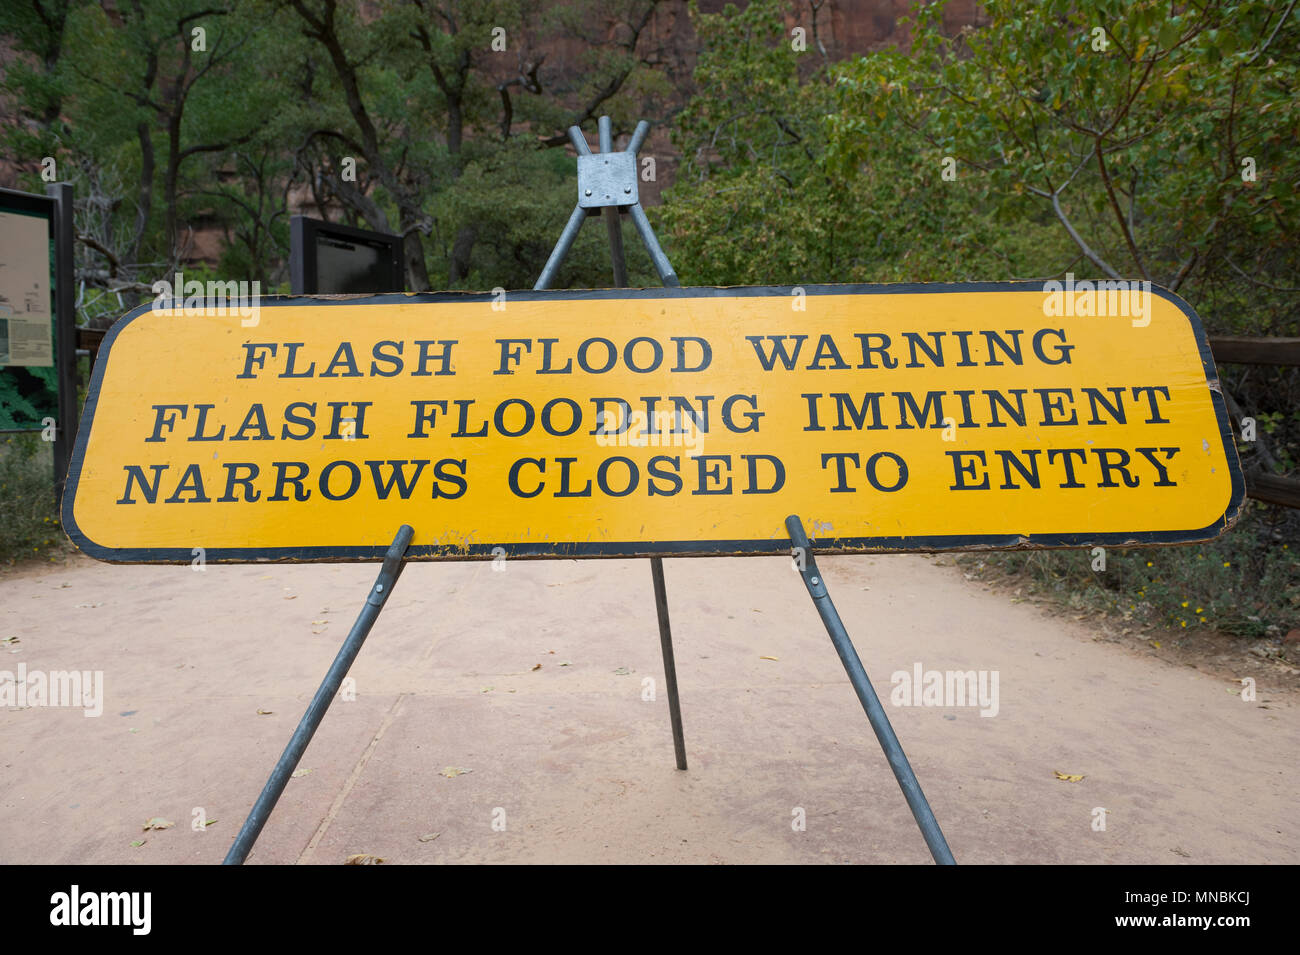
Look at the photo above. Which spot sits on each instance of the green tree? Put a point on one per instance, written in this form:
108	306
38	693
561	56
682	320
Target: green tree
432	95
1159	137
763	197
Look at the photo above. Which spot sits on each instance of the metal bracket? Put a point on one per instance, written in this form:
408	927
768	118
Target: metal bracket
607	179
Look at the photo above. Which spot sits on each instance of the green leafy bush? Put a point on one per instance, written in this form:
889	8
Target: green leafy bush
29	524
1245	583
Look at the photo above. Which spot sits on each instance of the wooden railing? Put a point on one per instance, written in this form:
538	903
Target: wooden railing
1243	350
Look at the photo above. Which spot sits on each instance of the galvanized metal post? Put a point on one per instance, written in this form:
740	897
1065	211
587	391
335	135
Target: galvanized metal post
613	217
394	561
651	243
907	781
571	229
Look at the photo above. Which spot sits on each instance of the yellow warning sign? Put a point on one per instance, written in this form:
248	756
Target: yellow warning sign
653	422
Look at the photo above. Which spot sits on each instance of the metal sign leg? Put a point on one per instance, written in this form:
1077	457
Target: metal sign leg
907	781
394	561
571	229
670	663
614	228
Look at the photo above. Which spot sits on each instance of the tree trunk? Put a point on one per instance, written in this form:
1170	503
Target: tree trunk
458	267
417	275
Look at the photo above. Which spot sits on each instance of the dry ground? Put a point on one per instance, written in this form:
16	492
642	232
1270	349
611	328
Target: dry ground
572	759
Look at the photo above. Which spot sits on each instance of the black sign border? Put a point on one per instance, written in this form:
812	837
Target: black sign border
563	550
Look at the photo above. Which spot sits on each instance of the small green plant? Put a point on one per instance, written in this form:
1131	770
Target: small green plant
1245	583
29	523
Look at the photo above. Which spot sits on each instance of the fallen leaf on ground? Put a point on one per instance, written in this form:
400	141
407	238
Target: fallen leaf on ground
451	772
487	689
158	822
1067	777
430	836
138	843
301	772
363	858
538	667
318	623
770	658
622	671
10	640
265	712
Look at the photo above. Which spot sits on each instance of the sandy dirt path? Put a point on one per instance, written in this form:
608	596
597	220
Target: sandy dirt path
571	758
